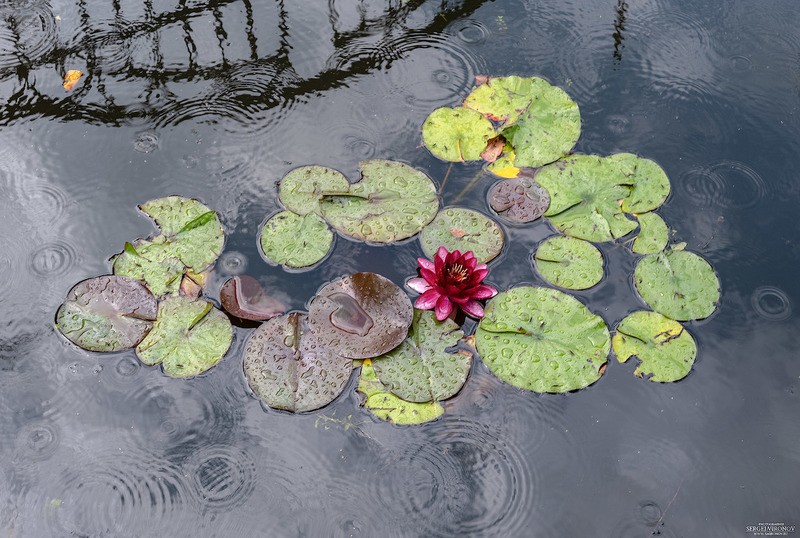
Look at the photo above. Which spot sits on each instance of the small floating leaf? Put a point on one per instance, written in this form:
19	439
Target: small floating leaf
295	241
152	264
458	228
189	337
288	368
653	234
504	99
71	79
457	134
542	340
677	283
387	406
519	199
421	369
302	188
650	184
392	201
569	262
242	296
666	350
361	315
107	313
494	148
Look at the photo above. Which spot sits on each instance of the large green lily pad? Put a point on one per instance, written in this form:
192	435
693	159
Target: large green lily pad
653	234
679	284
458	228
457	134
542	340
649	183
361	315
569	262
150	263
107	313
421	368
288	368
392	201
666	350
189	337
540	120
387	406
296	241
302	188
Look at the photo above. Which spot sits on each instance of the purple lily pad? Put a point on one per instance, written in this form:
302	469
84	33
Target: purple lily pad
519	199
243	297
361	316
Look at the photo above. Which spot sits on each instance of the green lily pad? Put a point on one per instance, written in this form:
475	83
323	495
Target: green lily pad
301	189
387	406
288	368
457	228
585	194
653	234
421	369
150	263
679	284
107	313
569	262
189	337
649	183
519	199
666	350
295	241
540	120
361	315
457	134
392	201
542	340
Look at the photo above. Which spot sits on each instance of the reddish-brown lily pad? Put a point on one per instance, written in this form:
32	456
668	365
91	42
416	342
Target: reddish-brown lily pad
519	199
361	316
242	296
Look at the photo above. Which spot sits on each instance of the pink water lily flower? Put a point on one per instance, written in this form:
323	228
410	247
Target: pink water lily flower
451	280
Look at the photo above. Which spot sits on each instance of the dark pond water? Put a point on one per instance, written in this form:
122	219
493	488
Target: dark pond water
219	99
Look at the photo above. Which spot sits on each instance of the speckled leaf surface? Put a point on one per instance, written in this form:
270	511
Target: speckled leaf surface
152	264
569	262
504	99
288	368
107	313
458	228
519	199
189	337
542	340
387	406
302	188
392	201
457	134
679	284
421	368
665	349
649	183
653	234
295	241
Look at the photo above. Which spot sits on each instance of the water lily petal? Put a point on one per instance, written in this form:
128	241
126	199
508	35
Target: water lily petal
420	285
473	308
425	263
429	276
441	253
483	292
443	308
477	277
469	262
427	300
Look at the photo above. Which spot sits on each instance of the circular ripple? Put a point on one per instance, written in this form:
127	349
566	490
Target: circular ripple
48	201
232	263
743	187
146	142
470	31
38	441
222	477
27	30
771	303
702	186
52	259
740	64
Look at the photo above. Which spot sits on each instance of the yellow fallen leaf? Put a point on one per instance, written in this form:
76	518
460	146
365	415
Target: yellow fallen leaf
71	79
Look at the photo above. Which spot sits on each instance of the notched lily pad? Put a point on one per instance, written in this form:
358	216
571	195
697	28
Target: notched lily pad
243	297
666	350
421	368
649	183
302	188
679	284
653	234
387	406
150	263
519	199
107	313
288	368
542	340
189	337
294	240
458	228
392	201
361	315
457	134
569	262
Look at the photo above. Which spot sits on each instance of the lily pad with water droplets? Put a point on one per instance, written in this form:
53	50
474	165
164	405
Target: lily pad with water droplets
457	134
244	297
519	199
679	284
421	368
653	234
387	406
666	350
542	340
107	313
302	188
296	241
288	368
189	337
361	315
150	263
458	228
392	201
569	262
649	183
